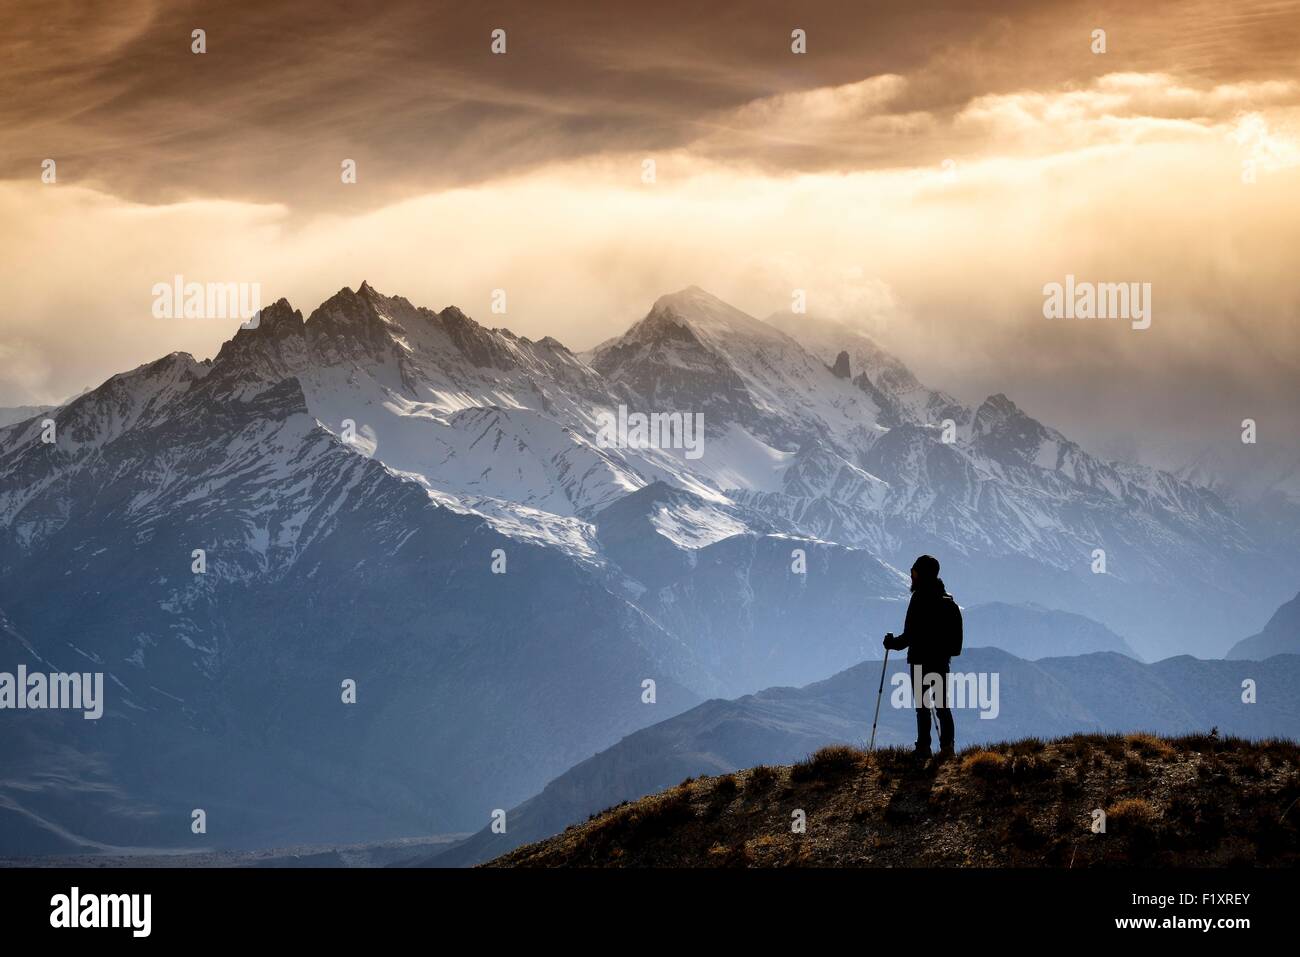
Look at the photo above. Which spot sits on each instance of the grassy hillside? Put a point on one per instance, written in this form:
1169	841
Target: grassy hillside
1198	800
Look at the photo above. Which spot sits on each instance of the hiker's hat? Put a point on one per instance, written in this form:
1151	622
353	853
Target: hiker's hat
927	566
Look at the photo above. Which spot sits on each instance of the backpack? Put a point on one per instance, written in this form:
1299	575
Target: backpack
950	625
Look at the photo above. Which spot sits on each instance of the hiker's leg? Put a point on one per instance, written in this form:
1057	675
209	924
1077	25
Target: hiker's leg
946	729
927	704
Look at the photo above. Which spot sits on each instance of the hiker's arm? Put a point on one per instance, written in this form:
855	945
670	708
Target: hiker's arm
899	642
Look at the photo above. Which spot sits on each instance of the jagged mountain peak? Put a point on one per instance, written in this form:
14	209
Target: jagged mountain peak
455	313
365	326
360	305
280	318
394	325
173	361
999	417
688	299
695	318
695	352
554	345
690	319
172	371
122	402
999	404
366	306
1007	434
708	316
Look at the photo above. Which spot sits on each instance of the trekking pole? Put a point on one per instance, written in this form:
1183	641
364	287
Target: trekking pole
879	694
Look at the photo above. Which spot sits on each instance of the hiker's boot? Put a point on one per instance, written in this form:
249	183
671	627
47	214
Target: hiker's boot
920	755
945	753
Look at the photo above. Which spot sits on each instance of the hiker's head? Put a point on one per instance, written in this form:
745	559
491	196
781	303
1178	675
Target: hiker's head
925	571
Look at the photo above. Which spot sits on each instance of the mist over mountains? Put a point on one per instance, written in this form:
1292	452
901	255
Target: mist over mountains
416	503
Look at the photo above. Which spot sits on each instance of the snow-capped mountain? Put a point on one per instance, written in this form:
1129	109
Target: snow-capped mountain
321	566
695	353
1261	481
1018	510
1246	472
430	508
899	395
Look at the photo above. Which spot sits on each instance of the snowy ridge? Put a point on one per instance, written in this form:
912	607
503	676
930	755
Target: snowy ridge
830	438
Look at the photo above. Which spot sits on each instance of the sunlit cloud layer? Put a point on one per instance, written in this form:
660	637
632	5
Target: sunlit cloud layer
922	187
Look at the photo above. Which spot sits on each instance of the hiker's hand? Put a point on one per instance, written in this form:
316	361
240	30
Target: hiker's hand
889	636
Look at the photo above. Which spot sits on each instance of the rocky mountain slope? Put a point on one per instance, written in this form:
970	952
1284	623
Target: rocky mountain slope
1193	801
1102	692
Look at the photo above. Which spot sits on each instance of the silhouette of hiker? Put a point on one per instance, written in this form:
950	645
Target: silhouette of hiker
928	635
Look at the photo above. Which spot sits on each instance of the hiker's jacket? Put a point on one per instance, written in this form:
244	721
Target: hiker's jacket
923	631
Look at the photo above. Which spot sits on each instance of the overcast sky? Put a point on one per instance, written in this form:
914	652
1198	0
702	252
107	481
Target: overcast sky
924	169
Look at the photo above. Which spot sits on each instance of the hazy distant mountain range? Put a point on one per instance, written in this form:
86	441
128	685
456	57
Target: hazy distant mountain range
1281	636
422	505
19	413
